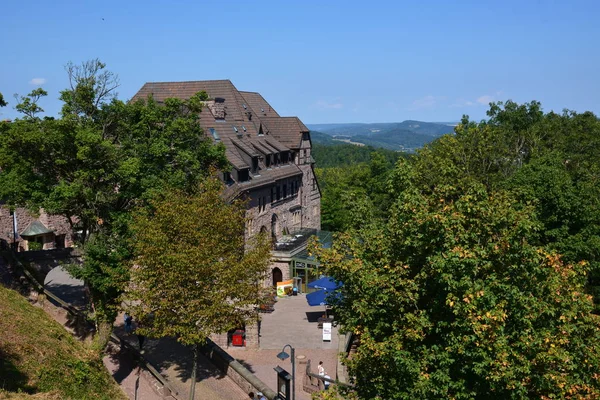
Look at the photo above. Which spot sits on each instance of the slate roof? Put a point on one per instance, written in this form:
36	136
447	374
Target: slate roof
244	122
288	130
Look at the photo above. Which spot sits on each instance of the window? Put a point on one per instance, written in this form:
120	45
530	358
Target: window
284	190
227	178
314	184
296	217
243	175
278	192
214	133
262	204
315	211
250	226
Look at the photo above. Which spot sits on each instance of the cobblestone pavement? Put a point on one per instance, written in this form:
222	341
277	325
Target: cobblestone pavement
124	370
174	362
293	322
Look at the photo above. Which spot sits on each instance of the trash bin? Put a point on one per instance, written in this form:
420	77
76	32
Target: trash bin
237	339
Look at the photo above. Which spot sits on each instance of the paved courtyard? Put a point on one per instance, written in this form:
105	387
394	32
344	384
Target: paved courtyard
293	322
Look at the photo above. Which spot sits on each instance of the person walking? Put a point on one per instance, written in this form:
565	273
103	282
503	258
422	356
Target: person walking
321	368
128	319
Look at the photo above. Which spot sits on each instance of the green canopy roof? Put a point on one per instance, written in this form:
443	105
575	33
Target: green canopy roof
35	228
325	239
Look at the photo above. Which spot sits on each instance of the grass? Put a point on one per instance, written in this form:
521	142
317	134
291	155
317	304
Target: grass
39	359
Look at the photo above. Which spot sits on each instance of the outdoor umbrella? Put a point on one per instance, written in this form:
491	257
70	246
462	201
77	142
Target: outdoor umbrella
325	282
317	298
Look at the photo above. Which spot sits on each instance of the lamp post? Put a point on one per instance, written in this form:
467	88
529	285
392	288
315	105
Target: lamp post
282	356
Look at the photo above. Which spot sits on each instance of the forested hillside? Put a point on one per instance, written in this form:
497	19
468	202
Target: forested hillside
402	136
337	154
472	268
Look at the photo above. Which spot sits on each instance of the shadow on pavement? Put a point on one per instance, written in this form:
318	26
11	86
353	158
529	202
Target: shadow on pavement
125	362
72	294
313	316
168	355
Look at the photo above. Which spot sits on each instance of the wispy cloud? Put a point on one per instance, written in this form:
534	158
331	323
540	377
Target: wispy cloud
327	105
459	103
481	100
37	81
486	99
424	102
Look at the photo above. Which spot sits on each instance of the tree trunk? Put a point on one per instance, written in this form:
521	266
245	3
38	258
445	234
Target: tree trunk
105	328
194	368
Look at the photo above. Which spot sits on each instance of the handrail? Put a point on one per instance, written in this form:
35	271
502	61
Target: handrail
147	365
321	377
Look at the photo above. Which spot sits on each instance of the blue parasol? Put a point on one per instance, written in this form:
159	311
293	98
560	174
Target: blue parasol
326	283
317	298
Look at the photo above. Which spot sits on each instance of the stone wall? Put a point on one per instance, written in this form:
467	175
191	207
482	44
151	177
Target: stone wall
252	338
58	223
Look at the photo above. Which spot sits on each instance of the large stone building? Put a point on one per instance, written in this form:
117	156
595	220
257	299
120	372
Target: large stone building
271	164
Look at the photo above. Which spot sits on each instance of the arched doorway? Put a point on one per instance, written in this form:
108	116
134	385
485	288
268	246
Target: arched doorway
277	276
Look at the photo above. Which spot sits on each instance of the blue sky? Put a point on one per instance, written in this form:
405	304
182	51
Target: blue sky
324	61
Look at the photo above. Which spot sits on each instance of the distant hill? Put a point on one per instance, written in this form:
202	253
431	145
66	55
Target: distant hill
321	138
406	136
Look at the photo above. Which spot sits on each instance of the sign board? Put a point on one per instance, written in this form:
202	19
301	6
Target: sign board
327	331
285	288
283	383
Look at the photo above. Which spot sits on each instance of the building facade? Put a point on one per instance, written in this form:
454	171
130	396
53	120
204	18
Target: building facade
271	164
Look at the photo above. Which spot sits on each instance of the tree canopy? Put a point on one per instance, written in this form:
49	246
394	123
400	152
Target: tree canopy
193	273
481	280
102	159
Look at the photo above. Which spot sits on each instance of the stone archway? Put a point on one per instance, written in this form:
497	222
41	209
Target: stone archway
277	276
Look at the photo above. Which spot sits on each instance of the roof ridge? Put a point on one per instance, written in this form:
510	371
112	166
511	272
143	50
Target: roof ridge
202	80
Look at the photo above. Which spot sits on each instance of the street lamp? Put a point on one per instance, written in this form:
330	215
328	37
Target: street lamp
283	356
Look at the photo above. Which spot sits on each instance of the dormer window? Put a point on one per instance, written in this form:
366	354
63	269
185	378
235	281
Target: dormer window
243	175
214	134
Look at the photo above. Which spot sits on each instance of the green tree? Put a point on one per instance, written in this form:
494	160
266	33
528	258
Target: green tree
450	299
97	163
28	105
3	103
194	275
